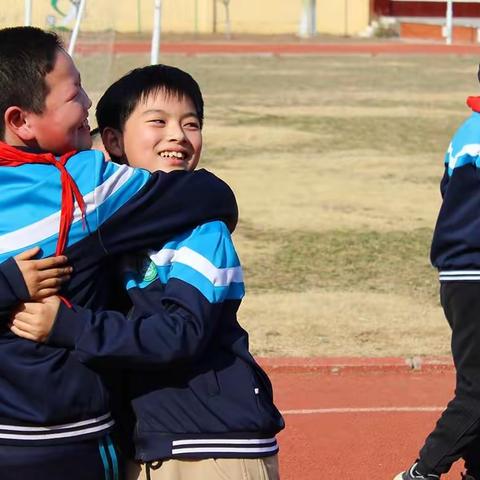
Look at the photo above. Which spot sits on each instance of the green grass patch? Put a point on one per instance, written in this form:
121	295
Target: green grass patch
386	262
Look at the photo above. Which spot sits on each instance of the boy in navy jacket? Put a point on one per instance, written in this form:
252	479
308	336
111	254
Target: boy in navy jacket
54	410
455	253
208	407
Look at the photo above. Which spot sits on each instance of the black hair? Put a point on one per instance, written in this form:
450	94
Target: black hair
119	101
27	55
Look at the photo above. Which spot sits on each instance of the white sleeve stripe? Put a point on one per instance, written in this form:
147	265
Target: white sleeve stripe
50	436
219	277
460	272
178	451
234	441
48	226
113	183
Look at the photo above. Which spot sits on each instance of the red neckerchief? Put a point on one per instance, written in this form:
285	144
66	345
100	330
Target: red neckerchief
474	103
14	157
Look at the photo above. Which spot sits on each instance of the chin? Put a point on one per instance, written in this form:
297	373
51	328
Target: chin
85	145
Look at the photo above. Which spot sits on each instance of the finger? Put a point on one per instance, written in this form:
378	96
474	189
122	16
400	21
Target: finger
25	326
27	254
23	317
54	273
53	299
21	333
46	292
51	262
31	309
53	282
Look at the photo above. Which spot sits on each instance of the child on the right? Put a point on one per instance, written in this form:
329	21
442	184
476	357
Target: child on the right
456	254
206	411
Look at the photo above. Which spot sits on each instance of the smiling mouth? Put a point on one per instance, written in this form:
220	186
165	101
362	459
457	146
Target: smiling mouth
177	155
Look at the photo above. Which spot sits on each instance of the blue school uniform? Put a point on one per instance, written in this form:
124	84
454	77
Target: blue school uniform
200	393
47	395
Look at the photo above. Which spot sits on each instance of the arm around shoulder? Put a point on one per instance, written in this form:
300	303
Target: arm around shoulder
162	206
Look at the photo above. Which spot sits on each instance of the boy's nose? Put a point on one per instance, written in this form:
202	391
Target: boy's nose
88	103
175	133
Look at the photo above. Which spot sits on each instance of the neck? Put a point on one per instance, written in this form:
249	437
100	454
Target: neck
14	140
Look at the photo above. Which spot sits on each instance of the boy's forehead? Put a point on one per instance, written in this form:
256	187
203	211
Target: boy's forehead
64	67
161	95
164	100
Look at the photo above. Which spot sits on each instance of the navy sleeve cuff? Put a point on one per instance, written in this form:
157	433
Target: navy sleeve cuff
68	326
13	288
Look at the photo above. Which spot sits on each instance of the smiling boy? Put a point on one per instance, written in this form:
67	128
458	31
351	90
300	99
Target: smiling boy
54	411
61	125
209	408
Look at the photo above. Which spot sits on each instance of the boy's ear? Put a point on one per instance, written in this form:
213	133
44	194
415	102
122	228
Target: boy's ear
16	123
113	141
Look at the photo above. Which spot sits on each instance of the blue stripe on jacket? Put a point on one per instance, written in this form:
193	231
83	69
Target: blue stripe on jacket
464	148
32	214
204	258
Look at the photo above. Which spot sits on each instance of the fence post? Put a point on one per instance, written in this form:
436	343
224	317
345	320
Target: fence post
157	21
76	28
449	22
28	13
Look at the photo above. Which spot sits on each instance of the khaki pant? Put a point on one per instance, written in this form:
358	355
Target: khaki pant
265	468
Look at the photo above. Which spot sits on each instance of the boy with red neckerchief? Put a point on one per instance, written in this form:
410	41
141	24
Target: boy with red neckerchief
54	411
455	253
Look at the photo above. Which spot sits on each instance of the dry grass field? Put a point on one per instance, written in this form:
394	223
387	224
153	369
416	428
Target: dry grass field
335	162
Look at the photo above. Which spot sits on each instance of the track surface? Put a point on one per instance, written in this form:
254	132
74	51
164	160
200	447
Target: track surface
364	421
344	48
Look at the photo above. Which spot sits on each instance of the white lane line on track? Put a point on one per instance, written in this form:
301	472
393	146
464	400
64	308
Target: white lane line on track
362	410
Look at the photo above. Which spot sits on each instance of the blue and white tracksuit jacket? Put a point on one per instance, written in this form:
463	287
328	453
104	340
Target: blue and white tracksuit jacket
47	394
456	240
200	393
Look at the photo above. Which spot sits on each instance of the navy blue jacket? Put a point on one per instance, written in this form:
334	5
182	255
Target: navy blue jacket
200	394
456	240
47	394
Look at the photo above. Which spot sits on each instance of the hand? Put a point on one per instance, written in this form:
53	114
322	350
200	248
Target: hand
43	277
34	320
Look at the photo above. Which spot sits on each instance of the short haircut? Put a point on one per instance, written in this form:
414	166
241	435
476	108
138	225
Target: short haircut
27	55
121	98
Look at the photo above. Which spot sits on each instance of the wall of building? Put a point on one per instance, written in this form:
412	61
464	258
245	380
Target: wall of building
343	17
247	16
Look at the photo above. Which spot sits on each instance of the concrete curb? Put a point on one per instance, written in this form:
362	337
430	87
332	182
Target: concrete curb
334	365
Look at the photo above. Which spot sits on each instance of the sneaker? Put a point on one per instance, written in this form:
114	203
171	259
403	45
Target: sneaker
412	474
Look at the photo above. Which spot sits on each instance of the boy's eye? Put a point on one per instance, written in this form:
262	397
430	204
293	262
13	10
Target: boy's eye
157	121
73	95
192	125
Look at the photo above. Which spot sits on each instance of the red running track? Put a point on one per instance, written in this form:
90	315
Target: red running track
202	48
360	421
